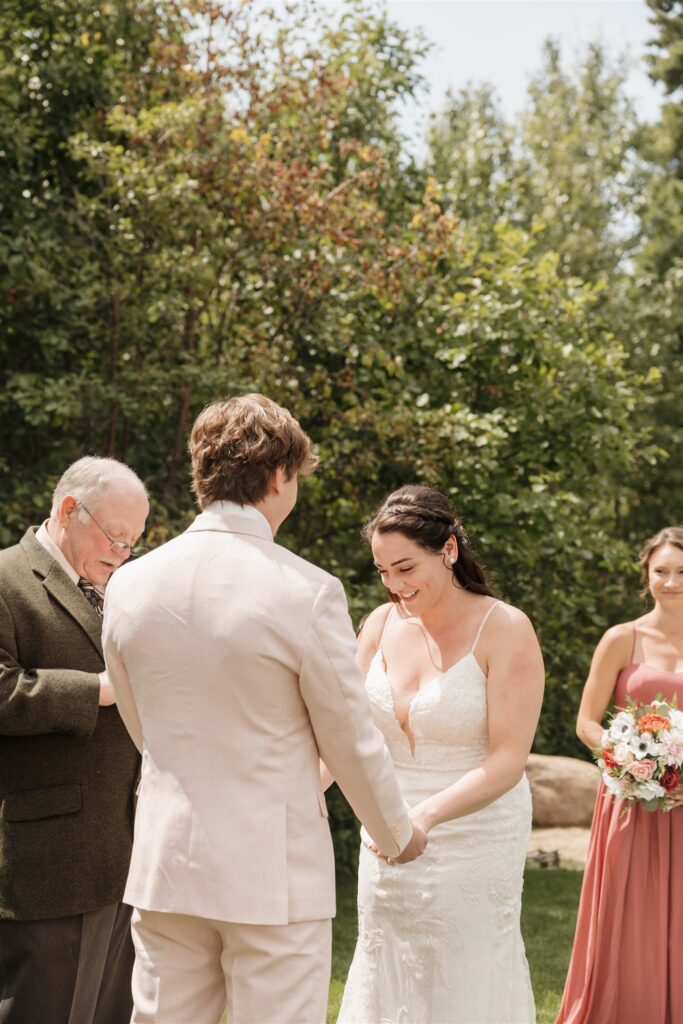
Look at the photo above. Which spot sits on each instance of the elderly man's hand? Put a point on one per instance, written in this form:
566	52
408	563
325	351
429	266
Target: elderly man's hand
107	697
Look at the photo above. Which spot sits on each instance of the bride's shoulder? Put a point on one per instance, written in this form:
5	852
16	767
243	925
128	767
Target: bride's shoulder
370	632
508	627
509	617
372	626
509	638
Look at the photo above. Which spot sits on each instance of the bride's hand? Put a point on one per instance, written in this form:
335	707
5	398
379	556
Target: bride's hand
421	816
414	848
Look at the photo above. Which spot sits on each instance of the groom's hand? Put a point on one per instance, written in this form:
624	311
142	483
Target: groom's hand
415	848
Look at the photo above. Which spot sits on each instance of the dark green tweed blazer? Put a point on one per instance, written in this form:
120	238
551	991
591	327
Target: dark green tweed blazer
68	768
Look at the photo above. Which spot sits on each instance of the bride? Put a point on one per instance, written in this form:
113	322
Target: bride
455	679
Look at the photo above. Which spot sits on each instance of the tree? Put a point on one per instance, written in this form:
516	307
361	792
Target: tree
579	176
658	329
663	144
471	156
65	63
237	213
565	170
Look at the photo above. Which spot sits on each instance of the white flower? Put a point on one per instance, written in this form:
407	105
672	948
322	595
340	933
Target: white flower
622	727
676	719
612	784
622	754
650	790
672	747
605	738
644	745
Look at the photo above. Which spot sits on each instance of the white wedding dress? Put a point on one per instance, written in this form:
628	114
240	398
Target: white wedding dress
439	939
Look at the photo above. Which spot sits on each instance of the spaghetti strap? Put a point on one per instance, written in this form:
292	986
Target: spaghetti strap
481	626
633	646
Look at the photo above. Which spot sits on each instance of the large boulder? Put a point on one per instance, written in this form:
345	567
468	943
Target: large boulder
563	790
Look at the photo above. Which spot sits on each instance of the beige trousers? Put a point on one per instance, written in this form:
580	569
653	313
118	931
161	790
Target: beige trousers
188	970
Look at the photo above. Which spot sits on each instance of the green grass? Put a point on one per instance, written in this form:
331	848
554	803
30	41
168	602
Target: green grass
549	905
345	930
548	917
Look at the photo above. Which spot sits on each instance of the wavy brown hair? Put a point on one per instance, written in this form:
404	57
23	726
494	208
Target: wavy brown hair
236	446
425	515
669	535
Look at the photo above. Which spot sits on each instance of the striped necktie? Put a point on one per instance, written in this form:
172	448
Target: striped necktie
95	599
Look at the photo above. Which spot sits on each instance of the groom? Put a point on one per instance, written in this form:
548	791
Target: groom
232	660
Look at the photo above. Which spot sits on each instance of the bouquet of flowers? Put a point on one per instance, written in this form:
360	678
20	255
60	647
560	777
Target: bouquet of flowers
641	753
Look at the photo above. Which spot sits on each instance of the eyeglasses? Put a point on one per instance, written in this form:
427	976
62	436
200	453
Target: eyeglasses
119	546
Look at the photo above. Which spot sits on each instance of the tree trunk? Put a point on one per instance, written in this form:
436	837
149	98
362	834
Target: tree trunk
179	441
114	335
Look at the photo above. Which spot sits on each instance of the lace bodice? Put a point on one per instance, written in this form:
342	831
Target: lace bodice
447	717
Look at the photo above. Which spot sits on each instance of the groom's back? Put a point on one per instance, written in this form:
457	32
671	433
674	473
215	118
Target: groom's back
212	627
218	608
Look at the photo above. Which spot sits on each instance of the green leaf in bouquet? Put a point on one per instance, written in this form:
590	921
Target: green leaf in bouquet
650	805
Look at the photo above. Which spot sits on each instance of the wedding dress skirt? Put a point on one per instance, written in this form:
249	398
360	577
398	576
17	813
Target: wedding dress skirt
439	939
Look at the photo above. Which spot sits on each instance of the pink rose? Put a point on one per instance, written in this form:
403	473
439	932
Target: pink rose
643	770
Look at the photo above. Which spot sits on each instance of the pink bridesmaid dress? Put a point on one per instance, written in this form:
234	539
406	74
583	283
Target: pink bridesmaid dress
627	960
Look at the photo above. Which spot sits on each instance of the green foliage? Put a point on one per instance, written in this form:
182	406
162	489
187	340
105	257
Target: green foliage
557	509
346	831
658	319
64	64
663	144
229	206
566	169
471	155
666	66
578	137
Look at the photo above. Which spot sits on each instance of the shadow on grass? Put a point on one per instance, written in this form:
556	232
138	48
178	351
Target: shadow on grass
548	918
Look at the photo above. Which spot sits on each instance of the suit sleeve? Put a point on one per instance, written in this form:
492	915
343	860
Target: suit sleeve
351	746
118	675
37	701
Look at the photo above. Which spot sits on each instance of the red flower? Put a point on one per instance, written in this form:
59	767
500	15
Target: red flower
670	778
608	758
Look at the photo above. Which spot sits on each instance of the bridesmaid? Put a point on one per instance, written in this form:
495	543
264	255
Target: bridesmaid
626	962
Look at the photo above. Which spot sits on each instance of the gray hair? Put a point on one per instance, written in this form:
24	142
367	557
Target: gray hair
92	478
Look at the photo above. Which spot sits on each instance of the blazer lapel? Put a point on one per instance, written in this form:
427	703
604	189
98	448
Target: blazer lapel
62	589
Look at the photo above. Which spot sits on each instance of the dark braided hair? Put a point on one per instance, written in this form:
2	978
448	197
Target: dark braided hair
424	515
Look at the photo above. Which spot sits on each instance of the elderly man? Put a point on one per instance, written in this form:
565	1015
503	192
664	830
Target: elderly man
233	662
68	769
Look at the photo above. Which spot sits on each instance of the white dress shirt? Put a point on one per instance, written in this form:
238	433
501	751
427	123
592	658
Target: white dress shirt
44	538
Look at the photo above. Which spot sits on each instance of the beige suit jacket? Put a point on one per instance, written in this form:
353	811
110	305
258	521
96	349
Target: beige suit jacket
233	664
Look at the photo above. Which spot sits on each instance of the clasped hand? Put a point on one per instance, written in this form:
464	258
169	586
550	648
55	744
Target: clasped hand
415	848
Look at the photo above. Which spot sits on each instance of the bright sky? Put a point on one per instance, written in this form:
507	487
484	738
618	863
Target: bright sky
500	41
